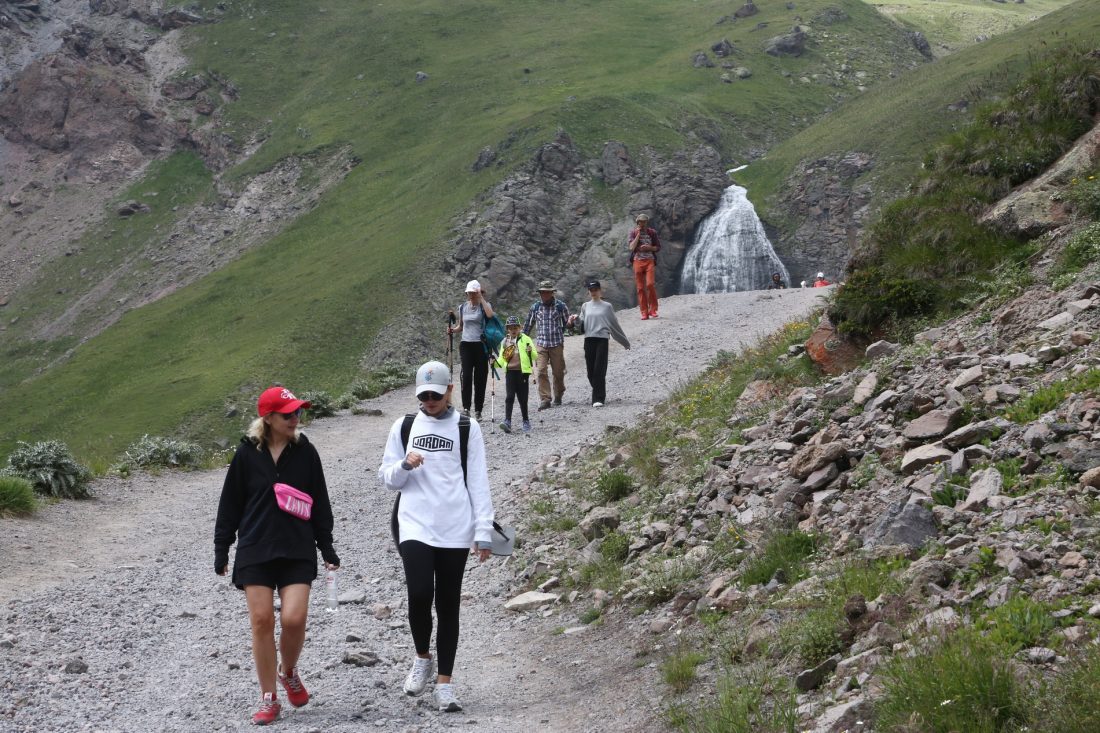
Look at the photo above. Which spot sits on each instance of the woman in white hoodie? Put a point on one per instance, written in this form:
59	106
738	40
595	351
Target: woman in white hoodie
444	511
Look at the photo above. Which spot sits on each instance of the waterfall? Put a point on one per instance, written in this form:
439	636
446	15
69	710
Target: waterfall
731	251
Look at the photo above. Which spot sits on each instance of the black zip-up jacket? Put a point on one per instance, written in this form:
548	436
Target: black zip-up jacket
249	513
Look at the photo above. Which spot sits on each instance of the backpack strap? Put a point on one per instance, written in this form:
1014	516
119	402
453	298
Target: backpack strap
406	430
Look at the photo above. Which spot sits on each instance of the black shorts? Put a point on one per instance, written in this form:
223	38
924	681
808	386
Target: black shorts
276	573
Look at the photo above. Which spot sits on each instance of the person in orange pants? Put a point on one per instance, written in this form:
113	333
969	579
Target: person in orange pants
644	246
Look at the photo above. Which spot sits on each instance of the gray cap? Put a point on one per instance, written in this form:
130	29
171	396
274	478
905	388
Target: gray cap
433	376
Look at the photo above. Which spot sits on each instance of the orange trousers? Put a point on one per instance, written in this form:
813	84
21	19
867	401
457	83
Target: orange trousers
645	280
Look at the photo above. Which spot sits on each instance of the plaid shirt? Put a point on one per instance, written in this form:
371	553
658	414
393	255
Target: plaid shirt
550	320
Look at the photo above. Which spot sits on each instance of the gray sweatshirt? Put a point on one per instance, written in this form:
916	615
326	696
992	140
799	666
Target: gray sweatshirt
597	320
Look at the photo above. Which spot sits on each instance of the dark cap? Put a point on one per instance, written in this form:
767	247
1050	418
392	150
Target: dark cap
592	283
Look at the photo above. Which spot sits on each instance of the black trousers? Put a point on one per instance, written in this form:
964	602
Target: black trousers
595	359
434	573
475	373
516	385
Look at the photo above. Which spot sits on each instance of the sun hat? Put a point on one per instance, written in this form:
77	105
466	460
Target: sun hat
433	376
473	287
512	321
547	285
592	283
279	399
642	217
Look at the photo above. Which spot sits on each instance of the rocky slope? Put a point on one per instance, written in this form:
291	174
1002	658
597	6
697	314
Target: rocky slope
970	460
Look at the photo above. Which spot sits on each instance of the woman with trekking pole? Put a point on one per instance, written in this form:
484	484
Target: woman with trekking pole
275	505
471	352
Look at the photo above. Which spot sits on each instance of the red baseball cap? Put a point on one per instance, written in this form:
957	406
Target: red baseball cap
279	399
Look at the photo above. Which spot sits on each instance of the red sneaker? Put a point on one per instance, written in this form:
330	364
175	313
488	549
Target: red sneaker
645	317
296	692
653	314
269	710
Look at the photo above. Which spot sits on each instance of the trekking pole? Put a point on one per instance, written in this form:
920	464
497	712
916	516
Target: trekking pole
451	343
493	393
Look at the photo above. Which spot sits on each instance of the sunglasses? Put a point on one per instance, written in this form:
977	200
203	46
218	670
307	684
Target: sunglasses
429	397
290	415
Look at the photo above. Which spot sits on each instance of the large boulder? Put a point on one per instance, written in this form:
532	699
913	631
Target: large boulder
788	44
902	524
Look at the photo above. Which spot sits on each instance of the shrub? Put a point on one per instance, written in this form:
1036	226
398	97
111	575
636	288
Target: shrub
661	584
1084	194
817	637
155	451
603	573
1017	624
756	703
614	485
615	546
1047	398
16	497
962	684
678	669
1082	249
589	615
381	380
784	553
51	469
321	404
949	495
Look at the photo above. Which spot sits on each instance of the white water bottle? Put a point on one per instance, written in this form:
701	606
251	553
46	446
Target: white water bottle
332	603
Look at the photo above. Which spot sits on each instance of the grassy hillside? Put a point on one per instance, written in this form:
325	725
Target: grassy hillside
899	121
302	308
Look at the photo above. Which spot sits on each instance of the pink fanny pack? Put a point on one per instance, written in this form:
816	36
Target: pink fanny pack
294	502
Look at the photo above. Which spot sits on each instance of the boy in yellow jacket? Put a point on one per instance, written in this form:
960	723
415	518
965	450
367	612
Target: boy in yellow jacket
518	357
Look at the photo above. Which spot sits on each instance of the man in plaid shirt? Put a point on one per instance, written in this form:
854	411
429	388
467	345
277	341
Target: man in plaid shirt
550	315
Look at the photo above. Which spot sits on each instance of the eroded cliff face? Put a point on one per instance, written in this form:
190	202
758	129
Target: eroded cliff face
828	202
564	217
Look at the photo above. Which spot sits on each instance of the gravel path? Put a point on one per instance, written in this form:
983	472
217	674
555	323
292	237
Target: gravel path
114	620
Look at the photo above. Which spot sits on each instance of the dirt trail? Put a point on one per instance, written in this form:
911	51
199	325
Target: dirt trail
126	580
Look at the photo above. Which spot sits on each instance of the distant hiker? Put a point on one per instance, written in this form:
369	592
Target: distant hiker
475	362
597	322
777	282
803	283
517	356
550	315
444	511
276	546
821	282
644	246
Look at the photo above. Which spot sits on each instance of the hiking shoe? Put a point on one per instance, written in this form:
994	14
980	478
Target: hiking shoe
466	411
445	698
544	405
653	314
597	404
269	710
526	426
645	316
557	402
418	676
296	692
477	415
506	426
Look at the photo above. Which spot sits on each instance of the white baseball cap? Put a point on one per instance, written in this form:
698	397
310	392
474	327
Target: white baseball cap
433	377
473	287
821	274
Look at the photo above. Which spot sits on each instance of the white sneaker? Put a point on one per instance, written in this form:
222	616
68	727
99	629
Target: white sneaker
445	698
597	404
418	676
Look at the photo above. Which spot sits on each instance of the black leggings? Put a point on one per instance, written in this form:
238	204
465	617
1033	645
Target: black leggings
434	571
595	358
515	385
475	373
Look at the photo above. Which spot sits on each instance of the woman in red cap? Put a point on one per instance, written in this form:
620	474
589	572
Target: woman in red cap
276	546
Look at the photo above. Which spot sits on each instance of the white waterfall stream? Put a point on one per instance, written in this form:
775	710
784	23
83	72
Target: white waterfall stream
731	252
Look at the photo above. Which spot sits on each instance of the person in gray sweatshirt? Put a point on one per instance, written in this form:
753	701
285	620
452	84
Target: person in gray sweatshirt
597	322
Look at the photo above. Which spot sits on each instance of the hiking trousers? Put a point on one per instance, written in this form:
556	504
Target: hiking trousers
595	359
554	358
475	373
645	282
516	387
434	573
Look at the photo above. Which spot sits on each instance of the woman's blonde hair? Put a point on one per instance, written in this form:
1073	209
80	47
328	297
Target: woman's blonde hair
260	434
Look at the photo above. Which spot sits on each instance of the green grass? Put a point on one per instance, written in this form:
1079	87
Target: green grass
1047	398
1070	703
16	497
749	702
1017	624
304	307
900	120
962	685
678	669
785	552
